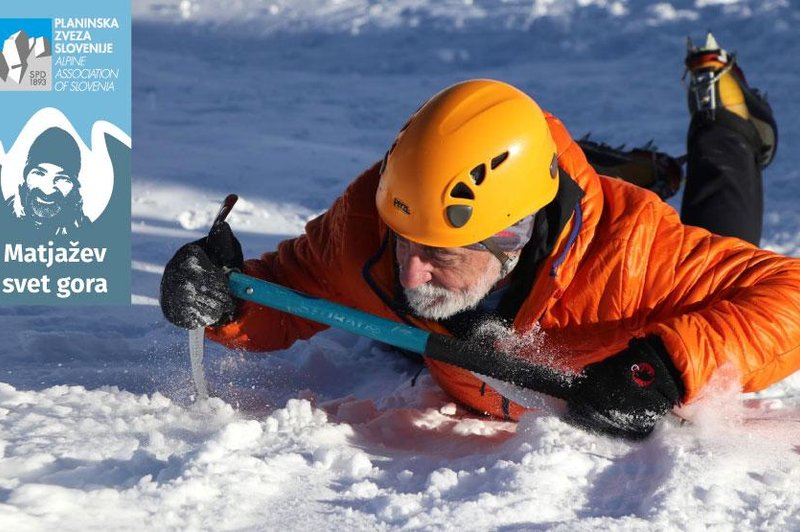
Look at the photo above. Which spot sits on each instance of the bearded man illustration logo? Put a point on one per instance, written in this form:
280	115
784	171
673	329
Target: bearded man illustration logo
49	197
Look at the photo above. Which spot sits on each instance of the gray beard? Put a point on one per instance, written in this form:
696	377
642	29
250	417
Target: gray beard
438	303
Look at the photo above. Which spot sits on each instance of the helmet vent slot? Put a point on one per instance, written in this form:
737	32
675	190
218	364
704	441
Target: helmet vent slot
462	191
500	159
478	174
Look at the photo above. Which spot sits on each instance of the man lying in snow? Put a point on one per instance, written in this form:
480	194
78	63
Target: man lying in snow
485	208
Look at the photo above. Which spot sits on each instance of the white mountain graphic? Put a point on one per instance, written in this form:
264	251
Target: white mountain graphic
17	49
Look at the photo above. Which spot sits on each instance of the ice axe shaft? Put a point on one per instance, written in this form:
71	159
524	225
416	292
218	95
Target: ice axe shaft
466	355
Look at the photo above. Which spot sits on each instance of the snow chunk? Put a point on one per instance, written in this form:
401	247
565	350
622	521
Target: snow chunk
351	464
442	480
240	435
400	507
448	410
297	414
236	436
364	490
405	475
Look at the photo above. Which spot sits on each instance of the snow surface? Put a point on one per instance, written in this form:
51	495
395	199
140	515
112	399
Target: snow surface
284	102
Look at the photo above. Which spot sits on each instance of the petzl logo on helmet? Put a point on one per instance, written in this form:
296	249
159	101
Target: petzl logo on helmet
401	206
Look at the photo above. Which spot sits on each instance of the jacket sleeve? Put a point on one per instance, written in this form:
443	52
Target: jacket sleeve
324	262
714	301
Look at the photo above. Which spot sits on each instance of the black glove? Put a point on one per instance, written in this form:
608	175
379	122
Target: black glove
626	394
194	288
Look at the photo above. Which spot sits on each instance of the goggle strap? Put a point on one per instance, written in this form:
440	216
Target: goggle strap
495	250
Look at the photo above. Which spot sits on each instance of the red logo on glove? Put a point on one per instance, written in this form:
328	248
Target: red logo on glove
643	374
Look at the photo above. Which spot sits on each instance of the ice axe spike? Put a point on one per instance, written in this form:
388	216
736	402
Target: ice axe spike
197	336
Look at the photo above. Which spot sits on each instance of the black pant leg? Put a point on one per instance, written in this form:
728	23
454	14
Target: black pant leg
724	189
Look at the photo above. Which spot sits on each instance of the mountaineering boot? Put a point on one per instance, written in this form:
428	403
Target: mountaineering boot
644	166
718	92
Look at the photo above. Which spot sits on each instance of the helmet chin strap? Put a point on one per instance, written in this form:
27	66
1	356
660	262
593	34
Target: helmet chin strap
507	262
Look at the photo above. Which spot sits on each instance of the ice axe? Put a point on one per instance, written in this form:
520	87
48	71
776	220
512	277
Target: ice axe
500	367
519	379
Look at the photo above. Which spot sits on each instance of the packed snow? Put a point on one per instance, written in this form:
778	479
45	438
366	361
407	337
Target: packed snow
284	102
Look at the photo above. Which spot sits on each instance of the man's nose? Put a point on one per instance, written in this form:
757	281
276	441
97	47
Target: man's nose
414	271
47	185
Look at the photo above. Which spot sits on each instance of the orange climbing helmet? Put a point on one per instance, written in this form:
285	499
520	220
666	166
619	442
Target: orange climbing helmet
473	160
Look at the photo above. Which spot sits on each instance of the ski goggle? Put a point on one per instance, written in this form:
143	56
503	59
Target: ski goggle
510	239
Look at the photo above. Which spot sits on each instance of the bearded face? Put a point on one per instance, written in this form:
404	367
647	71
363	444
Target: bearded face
437	302
49	194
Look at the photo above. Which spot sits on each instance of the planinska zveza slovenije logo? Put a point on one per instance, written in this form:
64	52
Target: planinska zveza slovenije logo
65	151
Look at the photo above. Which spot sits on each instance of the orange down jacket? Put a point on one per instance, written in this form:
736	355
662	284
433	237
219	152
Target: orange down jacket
623	267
